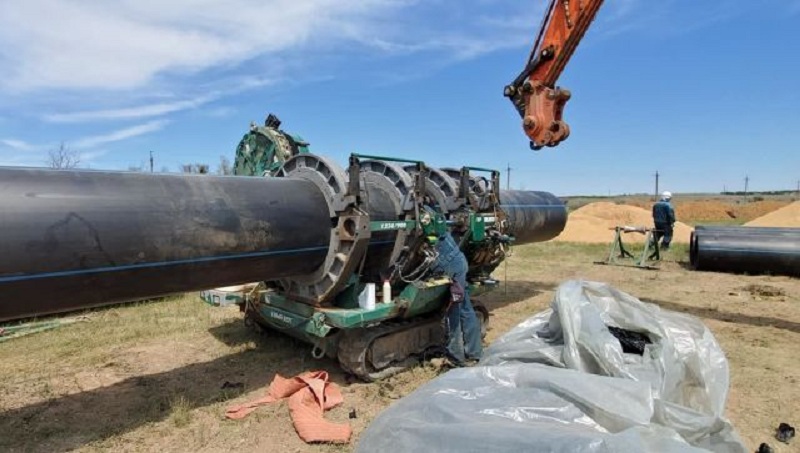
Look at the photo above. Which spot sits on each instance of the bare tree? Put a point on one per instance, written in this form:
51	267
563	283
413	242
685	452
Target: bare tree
63	157
201	169
224	168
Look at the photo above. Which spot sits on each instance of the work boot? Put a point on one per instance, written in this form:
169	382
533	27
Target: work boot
445	363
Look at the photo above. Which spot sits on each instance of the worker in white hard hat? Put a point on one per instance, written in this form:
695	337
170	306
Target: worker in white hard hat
664	220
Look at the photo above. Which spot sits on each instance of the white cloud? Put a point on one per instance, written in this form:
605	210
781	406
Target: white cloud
19	145
70	44
133	44
141	111
138	59
20	153
87	157
157	108
665	17
120	134
219	112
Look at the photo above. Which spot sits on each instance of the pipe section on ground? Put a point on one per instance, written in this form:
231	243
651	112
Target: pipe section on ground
78	239
754	250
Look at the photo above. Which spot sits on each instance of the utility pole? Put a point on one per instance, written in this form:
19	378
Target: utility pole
151	161
746	184
508	176
655	197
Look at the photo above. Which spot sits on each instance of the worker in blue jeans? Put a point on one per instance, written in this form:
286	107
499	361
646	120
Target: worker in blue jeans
463	329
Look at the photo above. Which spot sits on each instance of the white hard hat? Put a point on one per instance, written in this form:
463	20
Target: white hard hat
666	195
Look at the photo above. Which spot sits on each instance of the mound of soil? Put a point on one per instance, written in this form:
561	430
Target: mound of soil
705	211
754	210
700	211
594	223
787	216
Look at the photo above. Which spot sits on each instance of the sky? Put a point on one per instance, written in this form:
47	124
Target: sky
705	93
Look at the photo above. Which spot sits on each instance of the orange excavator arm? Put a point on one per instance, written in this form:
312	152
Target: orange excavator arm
533	92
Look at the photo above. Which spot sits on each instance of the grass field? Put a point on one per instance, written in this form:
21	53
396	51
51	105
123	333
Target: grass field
150	376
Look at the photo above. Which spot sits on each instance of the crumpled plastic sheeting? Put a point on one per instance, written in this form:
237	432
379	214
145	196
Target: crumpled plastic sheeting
559	382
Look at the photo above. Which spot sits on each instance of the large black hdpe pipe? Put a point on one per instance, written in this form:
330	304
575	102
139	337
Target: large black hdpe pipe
533	216
78	239
753	250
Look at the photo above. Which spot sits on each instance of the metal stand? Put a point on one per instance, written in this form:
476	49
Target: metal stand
618	255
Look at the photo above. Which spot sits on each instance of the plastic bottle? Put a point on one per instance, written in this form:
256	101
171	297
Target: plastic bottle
387	292
366	299
370	296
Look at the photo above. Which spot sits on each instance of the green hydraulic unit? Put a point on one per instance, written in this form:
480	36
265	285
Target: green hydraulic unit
387	213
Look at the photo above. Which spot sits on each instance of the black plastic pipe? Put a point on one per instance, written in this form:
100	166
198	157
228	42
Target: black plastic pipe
754	250
77	239
533	216
749	230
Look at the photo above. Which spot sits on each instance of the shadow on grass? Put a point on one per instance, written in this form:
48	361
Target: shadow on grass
71	421
83	311
711	313
234	333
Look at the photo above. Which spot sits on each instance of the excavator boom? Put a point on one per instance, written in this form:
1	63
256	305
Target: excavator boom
533	92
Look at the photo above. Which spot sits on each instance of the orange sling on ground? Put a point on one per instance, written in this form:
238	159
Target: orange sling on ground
310	395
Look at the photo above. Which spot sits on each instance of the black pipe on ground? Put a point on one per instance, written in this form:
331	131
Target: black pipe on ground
533	216
754	250
78	239
750	230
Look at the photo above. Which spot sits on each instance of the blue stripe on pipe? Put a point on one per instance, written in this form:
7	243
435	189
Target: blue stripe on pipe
16	278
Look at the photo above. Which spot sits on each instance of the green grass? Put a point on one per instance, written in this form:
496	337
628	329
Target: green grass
586	253
94	342
180	411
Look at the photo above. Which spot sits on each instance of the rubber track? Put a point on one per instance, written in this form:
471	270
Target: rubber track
354	346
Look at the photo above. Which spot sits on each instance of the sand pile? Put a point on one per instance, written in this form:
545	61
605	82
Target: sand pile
753	210
787	216
592	224
705	211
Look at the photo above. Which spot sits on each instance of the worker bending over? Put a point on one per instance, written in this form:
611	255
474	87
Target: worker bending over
664	220
463	329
